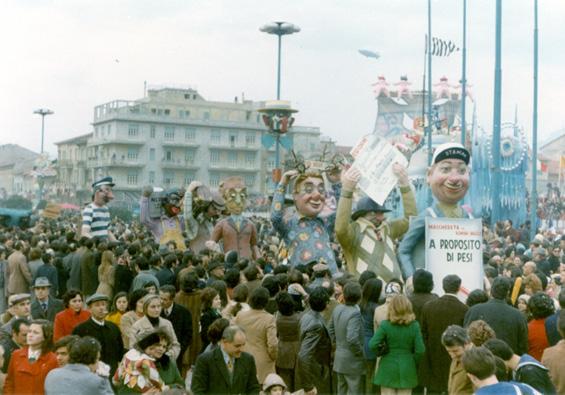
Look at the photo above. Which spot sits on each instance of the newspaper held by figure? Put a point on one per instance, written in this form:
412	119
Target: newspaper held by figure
374	157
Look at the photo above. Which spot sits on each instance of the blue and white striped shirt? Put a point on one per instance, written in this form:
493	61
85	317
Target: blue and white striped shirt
97	219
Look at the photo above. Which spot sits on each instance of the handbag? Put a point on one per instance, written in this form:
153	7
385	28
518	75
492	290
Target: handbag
382	348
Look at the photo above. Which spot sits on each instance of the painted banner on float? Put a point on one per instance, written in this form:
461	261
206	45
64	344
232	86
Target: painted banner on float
455	246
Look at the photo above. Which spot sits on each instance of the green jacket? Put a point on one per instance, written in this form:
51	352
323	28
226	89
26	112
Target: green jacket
363	248
398	368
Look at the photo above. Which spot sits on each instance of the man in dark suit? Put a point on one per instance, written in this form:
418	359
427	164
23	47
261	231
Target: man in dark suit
436	316
106	332
88	270
44	306
314	357
180	317
506	321
226	369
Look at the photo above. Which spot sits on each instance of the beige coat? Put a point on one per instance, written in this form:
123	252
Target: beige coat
18	274
126	323
106	280
553	358
143	325
261	330
459	383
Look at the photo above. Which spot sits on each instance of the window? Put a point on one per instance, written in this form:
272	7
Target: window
215	157
216	137
232	159
169	178
233	139
190	134
167	111
133	130
168	155
189	156
270	163
132	178
151	177
169	132
189	177
152	131
250	139
312	147
184	113
206	116
151	153
214	180
132	153
250	159
250	181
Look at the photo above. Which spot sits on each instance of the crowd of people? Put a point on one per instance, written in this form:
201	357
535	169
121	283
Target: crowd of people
109	307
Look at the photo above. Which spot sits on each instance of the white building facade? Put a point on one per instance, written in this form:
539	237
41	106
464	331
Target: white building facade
172	137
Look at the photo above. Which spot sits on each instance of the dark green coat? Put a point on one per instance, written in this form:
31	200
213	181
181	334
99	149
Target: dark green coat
397	369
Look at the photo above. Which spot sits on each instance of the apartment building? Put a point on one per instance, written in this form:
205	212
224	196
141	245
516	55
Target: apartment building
172	137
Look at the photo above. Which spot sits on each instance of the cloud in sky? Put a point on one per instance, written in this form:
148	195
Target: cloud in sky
61	54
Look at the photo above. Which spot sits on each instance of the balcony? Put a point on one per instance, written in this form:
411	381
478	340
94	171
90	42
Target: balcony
121	141
179	164
112	162
180	143
225	166
235	147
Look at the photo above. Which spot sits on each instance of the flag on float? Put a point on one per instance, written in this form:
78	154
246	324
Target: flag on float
441	47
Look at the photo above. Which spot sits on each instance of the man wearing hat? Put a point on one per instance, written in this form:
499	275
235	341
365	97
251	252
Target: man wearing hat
96	215
44	306
19	307
106	332
448	178
368	237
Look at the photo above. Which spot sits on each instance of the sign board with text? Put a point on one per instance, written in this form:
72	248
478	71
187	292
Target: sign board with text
455	246
374	157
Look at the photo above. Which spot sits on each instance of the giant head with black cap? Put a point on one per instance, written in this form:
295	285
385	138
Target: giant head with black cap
448	175
102	191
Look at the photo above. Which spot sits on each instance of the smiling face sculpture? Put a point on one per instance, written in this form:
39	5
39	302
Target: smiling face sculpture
449	175
309	194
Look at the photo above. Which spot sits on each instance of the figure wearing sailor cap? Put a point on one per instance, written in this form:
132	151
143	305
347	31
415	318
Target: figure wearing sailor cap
96	215
448	178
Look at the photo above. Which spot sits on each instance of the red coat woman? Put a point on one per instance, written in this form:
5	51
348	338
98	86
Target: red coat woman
74	314
29	365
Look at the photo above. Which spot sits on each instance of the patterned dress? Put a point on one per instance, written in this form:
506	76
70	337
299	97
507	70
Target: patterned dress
307	239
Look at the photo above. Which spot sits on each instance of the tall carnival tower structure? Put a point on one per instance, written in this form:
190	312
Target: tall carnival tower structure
400	119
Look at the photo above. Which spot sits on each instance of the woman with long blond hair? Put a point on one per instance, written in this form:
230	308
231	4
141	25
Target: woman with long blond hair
106	275
397	371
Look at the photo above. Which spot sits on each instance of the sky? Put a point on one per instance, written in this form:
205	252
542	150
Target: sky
71	55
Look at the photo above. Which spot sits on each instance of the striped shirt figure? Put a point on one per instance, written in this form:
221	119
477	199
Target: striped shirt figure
97	219
96	215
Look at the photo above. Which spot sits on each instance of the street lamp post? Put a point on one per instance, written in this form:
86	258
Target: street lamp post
43	112
279	29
